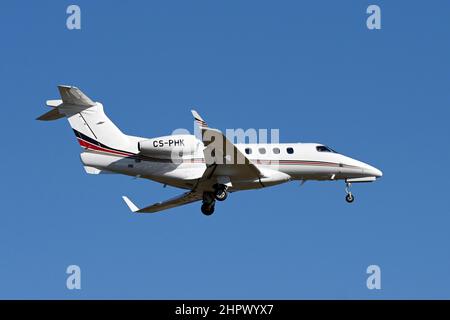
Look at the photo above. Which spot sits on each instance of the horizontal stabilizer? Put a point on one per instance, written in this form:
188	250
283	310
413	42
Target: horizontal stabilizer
72	101
54	103
51	115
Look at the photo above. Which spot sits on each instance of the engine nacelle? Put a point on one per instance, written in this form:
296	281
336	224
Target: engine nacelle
169	147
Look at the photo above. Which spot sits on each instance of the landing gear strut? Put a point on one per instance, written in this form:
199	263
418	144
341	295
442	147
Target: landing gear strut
220	192
349	197
208	203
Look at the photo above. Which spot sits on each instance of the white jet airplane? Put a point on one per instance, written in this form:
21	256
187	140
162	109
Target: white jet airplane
209	168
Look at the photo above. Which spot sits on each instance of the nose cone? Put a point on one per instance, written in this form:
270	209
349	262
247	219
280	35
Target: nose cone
365	170
372	171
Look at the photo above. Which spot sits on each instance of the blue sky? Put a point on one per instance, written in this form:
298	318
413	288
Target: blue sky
309	68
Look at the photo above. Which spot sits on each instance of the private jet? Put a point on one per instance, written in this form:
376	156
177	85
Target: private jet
208	167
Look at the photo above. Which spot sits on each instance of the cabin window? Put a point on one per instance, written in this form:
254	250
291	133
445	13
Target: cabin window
262	150
276	150
290	150
248	150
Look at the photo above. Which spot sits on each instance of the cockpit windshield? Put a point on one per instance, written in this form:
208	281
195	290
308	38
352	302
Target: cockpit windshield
325	149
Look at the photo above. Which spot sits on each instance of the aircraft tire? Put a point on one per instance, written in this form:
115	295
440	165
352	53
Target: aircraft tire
221	195
349	198
207	210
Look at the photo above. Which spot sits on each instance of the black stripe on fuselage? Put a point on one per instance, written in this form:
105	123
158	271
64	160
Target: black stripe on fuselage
131	154
95	142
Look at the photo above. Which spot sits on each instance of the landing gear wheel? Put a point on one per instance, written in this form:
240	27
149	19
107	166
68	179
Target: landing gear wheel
207	209
208	203
221	194
349	198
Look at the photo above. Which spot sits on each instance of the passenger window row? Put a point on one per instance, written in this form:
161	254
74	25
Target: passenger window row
274	150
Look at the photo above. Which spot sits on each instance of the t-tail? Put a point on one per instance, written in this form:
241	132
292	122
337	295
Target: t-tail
92	128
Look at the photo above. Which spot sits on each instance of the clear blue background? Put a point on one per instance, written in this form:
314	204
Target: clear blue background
310	68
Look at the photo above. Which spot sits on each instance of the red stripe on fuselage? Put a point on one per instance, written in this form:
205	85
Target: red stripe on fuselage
89	145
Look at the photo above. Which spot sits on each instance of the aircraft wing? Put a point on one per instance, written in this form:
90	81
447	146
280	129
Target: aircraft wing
185	198
222	155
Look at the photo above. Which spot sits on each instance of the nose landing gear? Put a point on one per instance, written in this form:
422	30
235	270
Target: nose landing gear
349	197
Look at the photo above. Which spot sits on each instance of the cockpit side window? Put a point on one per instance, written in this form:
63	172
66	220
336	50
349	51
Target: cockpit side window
325	149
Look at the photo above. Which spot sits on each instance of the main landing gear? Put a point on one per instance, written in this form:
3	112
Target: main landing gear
208	203
349	197
220	193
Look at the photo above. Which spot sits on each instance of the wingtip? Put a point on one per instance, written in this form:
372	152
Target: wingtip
130	204
199	119
195	113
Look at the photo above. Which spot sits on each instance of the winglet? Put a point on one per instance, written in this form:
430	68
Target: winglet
130	204
199	120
